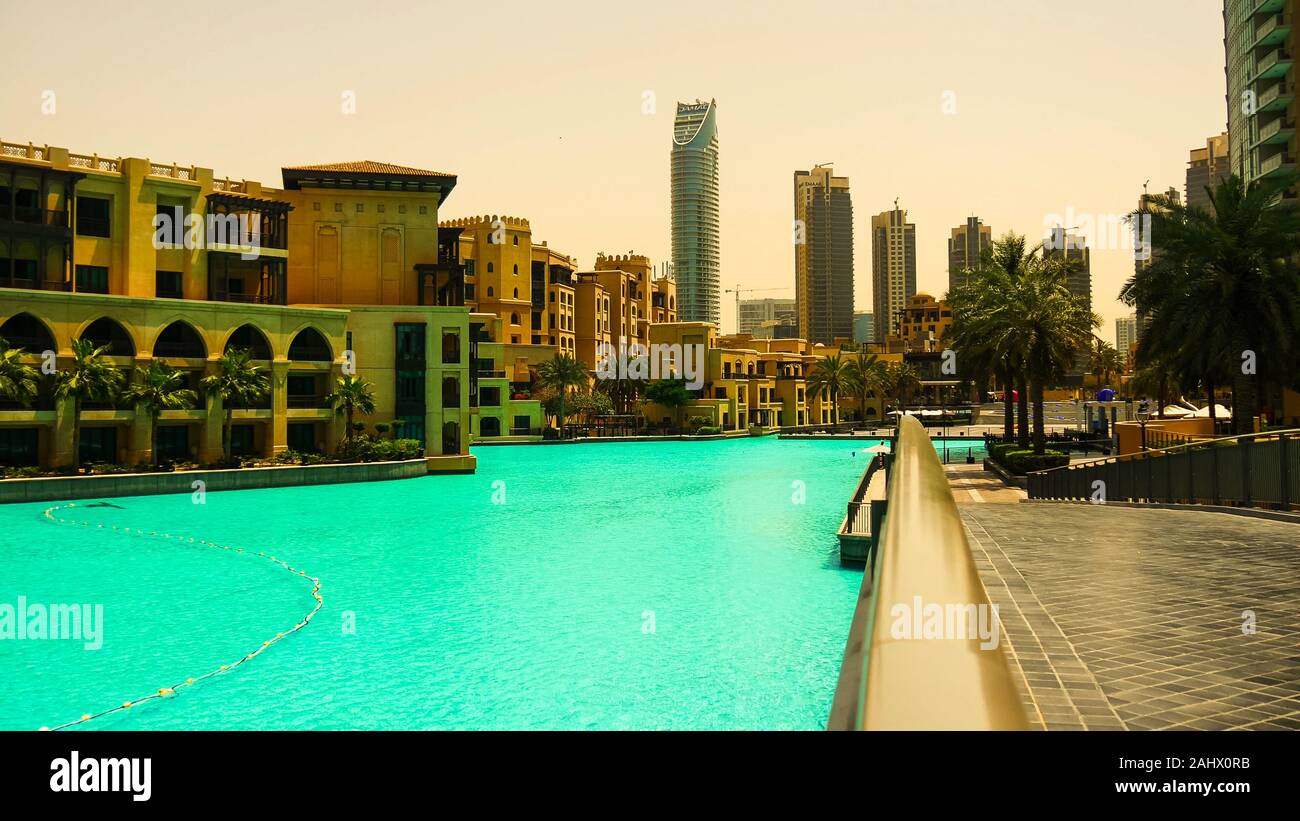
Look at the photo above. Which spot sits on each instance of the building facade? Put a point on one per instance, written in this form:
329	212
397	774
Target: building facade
1206	167
823	254
965	245
893	268
921	325
696	254
755	313
1260	46
339	271
864	327
1126	336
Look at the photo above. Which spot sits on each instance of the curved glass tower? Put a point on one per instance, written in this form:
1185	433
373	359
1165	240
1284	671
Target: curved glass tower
695	211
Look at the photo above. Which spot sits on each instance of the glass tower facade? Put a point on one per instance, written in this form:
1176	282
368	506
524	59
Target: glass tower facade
695	219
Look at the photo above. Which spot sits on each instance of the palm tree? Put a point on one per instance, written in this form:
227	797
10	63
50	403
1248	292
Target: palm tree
863	378
899	381
1054	326
18	382
830	377
672	394
238	382
90	377
982	327
159	387
1222	288
351	395
1103	361
560	373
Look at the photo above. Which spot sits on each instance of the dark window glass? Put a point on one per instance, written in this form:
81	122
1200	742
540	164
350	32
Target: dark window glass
92	279
93	216
168	284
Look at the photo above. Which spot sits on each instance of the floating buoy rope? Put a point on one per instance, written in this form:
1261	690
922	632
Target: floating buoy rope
54	516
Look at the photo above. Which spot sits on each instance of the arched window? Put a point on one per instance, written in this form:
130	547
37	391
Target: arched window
450	392
179	339
514	319
27	332
489	267
249	338
516	239
516	293
489	290
450	349
310	346
516	271
105	331
489	426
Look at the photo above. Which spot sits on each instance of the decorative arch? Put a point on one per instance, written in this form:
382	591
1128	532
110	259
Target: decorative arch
26	331
251	338
110	332
310	345
182	339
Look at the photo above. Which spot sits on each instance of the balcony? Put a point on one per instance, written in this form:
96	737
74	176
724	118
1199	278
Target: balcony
1276	98
1273	31
1280	163
487	373
1274	64
33	216
1268	6
1280	130
299	400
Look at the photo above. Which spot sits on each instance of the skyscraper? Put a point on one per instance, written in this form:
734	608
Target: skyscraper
1260	42
964	248
1125	333
755	312
823	254
1205	167
695	215
1074	249
893	268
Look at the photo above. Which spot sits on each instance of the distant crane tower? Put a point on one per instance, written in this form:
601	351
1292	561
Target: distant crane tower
738	291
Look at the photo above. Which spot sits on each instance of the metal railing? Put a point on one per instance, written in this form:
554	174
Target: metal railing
857	520
1256	470
890	682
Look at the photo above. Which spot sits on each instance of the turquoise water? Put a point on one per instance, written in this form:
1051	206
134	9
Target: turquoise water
628	585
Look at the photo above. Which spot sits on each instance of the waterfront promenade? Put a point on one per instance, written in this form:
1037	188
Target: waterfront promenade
1138	618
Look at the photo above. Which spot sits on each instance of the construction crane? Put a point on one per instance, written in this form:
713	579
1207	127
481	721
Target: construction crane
738	291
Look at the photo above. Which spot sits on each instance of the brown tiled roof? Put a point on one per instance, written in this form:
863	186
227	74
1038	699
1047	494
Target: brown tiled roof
369	167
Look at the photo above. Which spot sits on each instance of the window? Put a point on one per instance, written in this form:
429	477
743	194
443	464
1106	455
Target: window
301	437
173	443
516	271
92	279
401	209
514	319
489	397
93	216
552	296
360	208
424	209
167	284
489	426
490	268
380	208
338	206
100	444
516	239
450	348
315	206
469	290
489	290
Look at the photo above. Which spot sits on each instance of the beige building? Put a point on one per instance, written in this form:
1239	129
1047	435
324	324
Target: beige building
965	246
339	269
1206	167
893	268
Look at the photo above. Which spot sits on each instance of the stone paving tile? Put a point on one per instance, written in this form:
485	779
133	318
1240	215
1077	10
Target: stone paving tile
1145	618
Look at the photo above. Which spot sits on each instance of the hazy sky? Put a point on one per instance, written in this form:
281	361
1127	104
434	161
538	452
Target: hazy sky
538	107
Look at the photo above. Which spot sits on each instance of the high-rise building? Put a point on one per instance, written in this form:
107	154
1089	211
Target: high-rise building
695	216
965	245
1125	334
1260	44
864	327
1074	249
893	268
1143	248
755	312
823	254
1205	167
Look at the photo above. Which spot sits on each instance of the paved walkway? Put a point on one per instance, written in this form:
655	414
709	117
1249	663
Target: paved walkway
971	484
1125	618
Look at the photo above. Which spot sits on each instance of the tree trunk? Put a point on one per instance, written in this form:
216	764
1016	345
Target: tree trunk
153	439
225	434
347	434
1022	411
76	433
1214	419
1040	433
1008	409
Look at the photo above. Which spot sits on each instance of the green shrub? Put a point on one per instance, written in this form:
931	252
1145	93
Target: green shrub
20	473
1025	461
696	422
288	457
708	430
998	451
